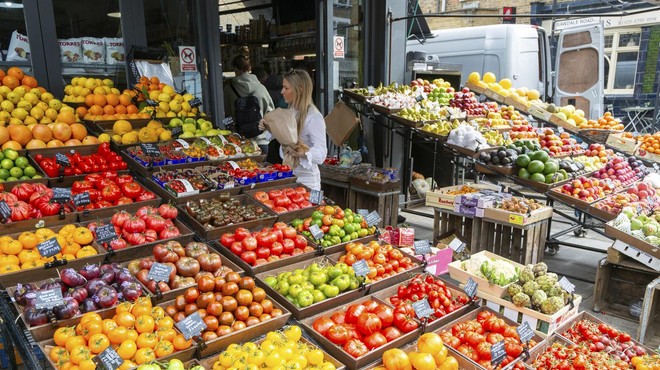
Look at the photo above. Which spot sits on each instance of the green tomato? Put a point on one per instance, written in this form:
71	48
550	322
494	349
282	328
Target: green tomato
348	212
335	240
357	218
295	289
334	271
318	278
355	283
295	279
342	233
175	364
346	238
363	232
334	230
318	295
308	286
326	244
342	282
283	287
349	228
291	299
297	222
348	218
305	299
317	222
317	215
330	291
344	267
354	235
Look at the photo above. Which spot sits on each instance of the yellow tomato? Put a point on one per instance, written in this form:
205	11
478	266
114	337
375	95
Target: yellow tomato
28	255
86	252
147	340
82	236
58	354
127	349
74	341
163	348
62	334
144	355
6	269
12	247
79	354
67	229
28	240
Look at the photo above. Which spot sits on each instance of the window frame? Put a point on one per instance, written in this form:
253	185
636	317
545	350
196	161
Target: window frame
611	55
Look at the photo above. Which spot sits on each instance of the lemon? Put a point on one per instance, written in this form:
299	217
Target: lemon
489	77
105	138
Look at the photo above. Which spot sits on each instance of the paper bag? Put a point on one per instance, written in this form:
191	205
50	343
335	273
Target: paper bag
340	123
283	126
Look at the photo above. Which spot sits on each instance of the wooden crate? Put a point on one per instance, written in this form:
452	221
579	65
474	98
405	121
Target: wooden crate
516	219
386	203
462	276
338	191
440	198
522	244
624	144
618	285
466	228
648	332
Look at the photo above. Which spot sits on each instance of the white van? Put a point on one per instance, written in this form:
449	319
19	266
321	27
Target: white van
522	53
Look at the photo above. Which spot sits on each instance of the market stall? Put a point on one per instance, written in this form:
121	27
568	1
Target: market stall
166	241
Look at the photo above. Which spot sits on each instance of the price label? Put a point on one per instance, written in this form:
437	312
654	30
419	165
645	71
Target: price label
656	167
506	136
316	231
497	353
176	131
109	359
316	196
516	219
373	218
363	212
560	129
584	145
159	272
539	113
422	308
82	199
422	247
419	98
234	165
62	195
525	333
228	121
191	326
62	159
48	298
470	288
184	144
150	150
5	211
105	234
195	102
361	268
151	103
49	247
539	130
457	245
371	90
573	167
566	285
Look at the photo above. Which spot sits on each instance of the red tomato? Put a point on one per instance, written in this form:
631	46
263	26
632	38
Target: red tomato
322	324
353	313
131	189
356	348
368	323
337	334
338	317
375	340
385	314
391	333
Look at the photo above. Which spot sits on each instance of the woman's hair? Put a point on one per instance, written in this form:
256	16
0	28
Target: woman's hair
241	63
302	86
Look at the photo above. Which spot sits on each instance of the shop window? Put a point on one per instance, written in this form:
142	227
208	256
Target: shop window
14	43
347	24
621	54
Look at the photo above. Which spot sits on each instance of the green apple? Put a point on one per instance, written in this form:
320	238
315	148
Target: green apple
16	172
205	125
213	132
176	122
7	164
189	127
11	154
21	162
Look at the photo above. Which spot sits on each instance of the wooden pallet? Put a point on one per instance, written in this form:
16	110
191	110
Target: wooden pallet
522	244
466	228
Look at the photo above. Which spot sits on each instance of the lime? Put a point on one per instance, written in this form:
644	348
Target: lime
37	176
21	162
2	155
11	179
22	178
4	174
16	172
7	163
29	171
11	154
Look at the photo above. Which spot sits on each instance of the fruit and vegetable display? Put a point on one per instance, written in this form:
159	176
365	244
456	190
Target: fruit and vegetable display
430	353
185	262
89	289
539	290
442	128
223	210
523	132
21	253
267	245
363	327
394	100
627	171
105	159
538	166
284	199
496	271
643	226
467	102
499	157
559	356
504	87
168	155
148	224
110	189
383	260
640	196
123	133
441	299
139	332
467	137
589	189
173	364
170	179
338	225
474	338
519	205
226	304
14	167
33	201
606	122
284	347
646	362
601	337
315	283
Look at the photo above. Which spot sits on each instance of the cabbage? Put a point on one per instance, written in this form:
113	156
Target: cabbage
499	272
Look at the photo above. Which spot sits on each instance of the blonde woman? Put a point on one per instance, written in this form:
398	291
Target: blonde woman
297	92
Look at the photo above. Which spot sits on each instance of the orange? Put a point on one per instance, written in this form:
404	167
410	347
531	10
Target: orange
16	72
29	81
100	100
124	99
89	100
112	99
131	109
66	117
144	80
95	110
109	109
153	80
11	82
120	109
81	111
2	73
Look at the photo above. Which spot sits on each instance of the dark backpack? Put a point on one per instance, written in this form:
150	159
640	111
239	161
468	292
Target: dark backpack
247	114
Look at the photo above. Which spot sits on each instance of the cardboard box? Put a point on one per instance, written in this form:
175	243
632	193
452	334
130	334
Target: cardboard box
469	211
440	198
518	219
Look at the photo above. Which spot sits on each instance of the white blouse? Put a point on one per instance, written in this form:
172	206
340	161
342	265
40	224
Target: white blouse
312	135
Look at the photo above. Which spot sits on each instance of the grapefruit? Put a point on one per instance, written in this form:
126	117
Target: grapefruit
78	131
11	144
20	134
4	135
35	144
42	132
61	131
72	142
55	144
89	140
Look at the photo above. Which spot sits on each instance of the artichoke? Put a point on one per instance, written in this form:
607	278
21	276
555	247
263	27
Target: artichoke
553	291
566	295
513	289
538	297
526	275
552	305
530	287
540	269
545	283
552	276
521	300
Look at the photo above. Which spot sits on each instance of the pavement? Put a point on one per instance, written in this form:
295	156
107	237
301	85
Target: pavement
578	265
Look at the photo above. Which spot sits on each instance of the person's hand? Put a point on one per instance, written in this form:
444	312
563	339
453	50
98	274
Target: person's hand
292	152
263	125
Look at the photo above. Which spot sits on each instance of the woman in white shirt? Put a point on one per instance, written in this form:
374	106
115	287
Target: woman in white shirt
297	92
